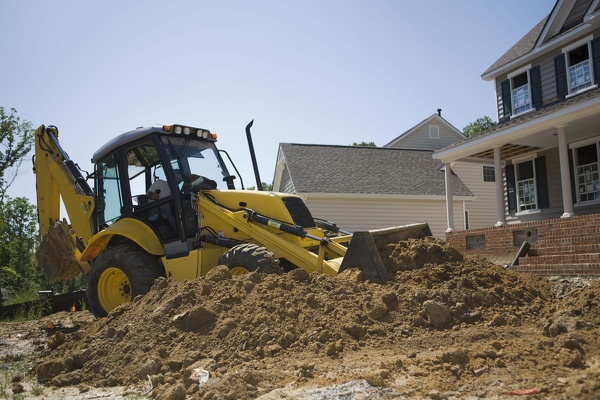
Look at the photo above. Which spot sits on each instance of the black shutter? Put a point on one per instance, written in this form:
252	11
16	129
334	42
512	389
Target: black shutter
596	59
506	98
560	67
536	86
541	182
510	189
572	172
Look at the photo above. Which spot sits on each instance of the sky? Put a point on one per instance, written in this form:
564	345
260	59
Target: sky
313	71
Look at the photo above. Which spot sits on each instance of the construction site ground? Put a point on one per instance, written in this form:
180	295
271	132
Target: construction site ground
441	327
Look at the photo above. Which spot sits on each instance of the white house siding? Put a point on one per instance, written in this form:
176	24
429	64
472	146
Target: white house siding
482	210
363	213
286	185
419	138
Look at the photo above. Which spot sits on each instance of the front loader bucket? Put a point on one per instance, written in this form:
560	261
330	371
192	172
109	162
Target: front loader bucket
56	253
363	249
384	236
363	254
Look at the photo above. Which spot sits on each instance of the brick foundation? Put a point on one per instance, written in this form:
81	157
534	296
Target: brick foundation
561	246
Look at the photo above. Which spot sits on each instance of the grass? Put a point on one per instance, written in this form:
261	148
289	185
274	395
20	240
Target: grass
9	372
31	306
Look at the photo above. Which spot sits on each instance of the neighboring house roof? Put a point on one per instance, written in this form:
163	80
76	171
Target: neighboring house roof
366	170
433	118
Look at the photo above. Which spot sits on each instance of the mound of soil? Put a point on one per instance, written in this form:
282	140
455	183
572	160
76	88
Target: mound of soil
441	327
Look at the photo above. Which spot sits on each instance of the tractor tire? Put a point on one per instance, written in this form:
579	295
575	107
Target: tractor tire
118	275
249	257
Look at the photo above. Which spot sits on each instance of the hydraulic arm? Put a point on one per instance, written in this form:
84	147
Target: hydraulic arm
57	177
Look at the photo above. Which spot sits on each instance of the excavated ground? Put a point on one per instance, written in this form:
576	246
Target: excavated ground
442	327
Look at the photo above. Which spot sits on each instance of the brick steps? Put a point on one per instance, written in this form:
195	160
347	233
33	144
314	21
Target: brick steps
573	258
559	269
580	248
574	249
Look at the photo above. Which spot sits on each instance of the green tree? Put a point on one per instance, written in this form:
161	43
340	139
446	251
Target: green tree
265	186
16	139
481	124
364	144
18	238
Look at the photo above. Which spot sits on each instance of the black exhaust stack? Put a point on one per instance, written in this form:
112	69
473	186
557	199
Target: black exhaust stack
253	156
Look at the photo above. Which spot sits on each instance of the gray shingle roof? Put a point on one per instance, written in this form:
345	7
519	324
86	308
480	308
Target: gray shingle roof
366	170
522	47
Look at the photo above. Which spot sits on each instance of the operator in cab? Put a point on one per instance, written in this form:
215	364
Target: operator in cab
160	188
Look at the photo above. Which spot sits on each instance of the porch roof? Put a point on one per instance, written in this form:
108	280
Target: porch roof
532	131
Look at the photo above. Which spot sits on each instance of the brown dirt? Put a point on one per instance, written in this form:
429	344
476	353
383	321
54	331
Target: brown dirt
442	327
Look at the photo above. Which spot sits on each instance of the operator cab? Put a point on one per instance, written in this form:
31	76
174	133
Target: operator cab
151	174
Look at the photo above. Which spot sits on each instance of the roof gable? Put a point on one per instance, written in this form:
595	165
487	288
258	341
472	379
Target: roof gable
366	170
434	119
566	16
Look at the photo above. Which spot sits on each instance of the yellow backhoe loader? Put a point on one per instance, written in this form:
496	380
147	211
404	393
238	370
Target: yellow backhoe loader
163	203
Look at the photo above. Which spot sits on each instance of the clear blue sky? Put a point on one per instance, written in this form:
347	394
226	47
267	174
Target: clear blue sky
323	72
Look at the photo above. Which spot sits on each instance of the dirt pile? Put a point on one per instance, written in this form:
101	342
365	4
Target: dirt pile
441	327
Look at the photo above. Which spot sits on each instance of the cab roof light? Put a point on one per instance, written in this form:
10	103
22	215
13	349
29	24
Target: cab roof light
167	128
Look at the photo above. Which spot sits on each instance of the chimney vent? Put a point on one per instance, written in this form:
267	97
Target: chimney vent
439	110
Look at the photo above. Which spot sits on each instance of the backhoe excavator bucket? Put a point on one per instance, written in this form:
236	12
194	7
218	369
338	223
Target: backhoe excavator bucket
56	255
363	249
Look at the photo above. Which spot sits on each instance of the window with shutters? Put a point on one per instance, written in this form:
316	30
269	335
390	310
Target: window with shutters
580	75
527	185
525	178
587	173
578	68
520	93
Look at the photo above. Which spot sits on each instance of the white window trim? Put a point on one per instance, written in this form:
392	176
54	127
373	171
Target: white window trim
520	160
483	175
528	157
565	50
430	132
585	142
575	146
577	44
582	90
518	72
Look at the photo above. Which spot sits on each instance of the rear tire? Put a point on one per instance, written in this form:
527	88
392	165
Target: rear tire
118	275
249	257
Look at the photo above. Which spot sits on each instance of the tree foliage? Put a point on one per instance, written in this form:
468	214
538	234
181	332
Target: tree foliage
265	186
18	228
481	124
364	144
16	139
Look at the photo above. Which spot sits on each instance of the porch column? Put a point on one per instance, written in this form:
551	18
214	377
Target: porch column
565	176
449	205
499	188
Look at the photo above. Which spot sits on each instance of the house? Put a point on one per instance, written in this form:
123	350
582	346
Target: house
435	133
545	148
363	188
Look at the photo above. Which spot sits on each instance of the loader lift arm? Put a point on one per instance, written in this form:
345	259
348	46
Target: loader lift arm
57	176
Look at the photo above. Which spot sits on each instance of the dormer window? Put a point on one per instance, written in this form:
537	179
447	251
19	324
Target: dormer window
520	93
578	62
575	67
